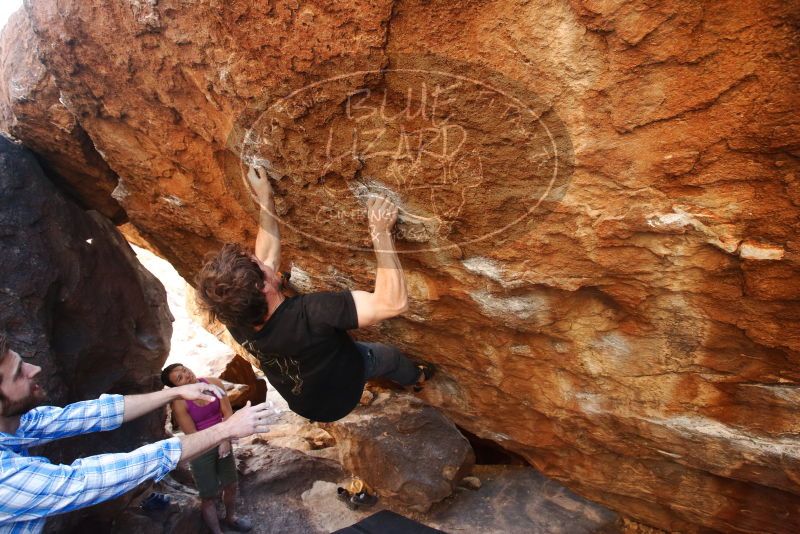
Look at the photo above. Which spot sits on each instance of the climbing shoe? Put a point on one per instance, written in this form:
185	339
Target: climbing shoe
342	494
363	499
427	370
357	494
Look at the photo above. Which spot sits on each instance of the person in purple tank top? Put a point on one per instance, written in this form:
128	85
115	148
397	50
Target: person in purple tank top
216	469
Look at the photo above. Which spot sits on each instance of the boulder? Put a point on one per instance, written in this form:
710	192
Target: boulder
600	206
32	108
76	302
240	371
238	394
304	435
182	516
519	499
273	480
409	453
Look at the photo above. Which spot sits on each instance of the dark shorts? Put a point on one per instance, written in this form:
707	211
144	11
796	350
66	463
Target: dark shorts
212	473
385	361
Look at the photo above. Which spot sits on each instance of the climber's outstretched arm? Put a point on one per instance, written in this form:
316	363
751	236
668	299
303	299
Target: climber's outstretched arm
390	297
268	239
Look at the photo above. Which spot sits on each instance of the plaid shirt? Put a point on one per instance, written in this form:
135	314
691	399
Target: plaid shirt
31	488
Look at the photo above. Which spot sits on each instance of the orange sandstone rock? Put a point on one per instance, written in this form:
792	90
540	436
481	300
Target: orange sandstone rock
34	110
600	206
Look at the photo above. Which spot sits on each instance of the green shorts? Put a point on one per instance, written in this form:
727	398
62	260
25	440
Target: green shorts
211	473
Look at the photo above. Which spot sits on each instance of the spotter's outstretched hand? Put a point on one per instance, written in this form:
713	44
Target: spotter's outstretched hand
248	420
200	391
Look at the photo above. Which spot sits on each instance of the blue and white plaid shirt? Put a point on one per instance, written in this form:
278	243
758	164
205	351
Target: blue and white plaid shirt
31	488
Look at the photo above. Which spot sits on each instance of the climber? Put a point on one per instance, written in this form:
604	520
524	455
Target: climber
32	488
302	341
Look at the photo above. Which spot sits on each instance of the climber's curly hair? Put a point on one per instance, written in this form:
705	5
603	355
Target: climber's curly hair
4	345
229	288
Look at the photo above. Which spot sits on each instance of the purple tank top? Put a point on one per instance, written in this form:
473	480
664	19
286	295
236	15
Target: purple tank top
207	415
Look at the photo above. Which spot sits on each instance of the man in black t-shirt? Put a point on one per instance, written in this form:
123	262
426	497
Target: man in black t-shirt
302	341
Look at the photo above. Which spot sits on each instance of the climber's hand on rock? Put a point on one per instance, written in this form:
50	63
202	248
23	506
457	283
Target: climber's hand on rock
259	180
249	420
199	391
382	214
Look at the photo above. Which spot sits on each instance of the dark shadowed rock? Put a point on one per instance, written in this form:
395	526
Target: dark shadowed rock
75	301
182	516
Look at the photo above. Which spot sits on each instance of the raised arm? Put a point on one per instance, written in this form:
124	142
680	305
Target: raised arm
268	239
31	489
390	297
138	405
246	421
47	423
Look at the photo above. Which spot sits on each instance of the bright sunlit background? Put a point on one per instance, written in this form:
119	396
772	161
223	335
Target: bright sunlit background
7	7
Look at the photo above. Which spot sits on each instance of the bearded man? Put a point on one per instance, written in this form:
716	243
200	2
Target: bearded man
32	488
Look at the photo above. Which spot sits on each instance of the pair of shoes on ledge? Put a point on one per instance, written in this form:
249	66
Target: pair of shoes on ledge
356	495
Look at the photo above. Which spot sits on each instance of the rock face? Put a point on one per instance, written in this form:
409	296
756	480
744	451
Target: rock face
240	371
75	299
498	506
274	480
77	303
600	206
409	453
181	517
32	108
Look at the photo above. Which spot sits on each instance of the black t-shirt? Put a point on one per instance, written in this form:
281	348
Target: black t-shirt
308	356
